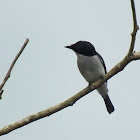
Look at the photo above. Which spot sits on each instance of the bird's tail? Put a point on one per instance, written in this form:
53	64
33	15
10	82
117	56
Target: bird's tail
109	105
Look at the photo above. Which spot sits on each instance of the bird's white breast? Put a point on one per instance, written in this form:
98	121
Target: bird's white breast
90	67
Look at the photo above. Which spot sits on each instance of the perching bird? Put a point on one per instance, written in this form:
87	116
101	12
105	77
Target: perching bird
91	65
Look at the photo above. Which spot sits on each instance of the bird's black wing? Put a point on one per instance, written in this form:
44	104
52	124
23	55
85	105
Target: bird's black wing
102	61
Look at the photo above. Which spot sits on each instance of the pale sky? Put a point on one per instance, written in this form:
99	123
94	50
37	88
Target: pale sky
47	74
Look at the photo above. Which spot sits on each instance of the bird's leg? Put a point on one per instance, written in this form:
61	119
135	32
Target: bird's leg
89	85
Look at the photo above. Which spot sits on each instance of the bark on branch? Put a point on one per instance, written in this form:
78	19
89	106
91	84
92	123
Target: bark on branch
131	56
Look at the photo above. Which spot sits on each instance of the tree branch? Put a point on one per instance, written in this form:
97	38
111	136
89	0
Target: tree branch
131	56
135	28
69	102
12	65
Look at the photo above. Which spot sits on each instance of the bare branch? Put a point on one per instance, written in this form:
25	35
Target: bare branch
69	102
135	28
131	56
13	63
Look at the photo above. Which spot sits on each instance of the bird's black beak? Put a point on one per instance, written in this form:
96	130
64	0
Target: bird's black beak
69	47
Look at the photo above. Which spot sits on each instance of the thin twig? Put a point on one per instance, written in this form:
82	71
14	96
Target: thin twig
13	63
135	28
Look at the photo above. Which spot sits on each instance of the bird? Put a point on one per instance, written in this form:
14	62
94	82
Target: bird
92	67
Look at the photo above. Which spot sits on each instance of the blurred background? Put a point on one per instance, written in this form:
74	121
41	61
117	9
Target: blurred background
47	74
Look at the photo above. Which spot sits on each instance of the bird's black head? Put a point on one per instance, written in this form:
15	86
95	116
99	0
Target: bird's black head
83	47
